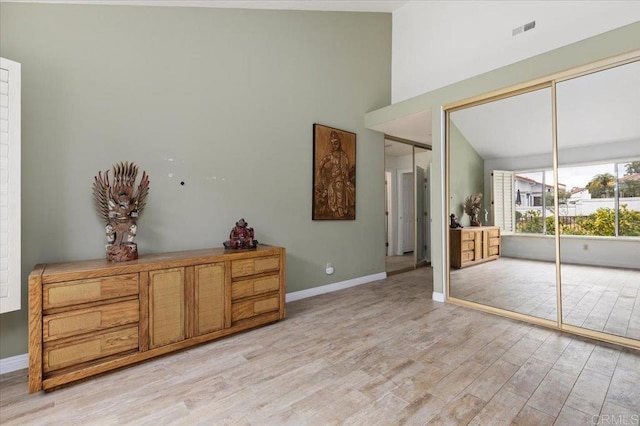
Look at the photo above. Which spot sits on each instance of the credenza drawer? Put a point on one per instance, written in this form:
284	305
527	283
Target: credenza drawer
468	256
74	323
493	251
69	293
254	287
253	307
62	354
493	233
494	242
468	235
257	265
468	245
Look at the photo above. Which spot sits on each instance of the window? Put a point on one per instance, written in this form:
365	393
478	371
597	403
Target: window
594	199
628	199
530	196
10	277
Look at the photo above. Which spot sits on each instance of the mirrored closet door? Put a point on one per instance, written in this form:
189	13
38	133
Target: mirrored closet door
407	205
543	188
599	200
500	152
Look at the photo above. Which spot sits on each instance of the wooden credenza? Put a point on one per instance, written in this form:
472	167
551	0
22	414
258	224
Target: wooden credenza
473	245
89	317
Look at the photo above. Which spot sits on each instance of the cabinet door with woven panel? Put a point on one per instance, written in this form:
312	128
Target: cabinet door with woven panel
167	316
210	298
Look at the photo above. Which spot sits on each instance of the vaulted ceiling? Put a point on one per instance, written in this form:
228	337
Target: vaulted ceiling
595	109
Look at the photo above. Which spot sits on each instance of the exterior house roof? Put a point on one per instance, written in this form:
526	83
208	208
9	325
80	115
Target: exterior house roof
533	181
631	177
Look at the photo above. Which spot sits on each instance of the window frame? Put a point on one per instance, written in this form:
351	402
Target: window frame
12	301
615	163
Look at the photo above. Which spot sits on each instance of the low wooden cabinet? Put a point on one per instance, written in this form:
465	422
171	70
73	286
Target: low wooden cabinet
89	317
473	245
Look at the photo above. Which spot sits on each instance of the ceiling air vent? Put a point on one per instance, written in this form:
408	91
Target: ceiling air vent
522	28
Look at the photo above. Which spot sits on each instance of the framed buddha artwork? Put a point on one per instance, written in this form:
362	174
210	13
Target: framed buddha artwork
334	174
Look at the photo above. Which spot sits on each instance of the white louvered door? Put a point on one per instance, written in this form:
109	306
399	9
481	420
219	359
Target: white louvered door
10	276
503	202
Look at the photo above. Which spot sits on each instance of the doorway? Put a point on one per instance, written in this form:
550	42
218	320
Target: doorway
407	205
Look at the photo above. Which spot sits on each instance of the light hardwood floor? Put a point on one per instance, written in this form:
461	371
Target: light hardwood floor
382	353
601	299
399	263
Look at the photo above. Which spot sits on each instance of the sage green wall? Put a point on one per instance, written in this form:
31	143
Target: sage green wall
605	45
467	174
221	99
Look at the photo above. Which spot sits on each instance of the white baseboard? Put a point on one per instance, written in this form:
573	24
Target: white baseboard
438	297
303	294
14	363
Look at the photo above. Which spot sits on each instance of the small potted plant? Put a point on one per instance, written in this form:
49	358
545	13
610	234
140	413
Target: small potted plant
472	206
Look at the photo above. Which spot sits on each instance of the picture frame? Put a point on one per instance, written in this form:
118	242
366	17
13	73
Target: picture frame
334	174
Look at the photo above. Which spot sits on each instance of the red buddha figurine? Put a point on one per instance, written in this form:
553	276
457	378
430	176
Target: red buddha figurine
241	237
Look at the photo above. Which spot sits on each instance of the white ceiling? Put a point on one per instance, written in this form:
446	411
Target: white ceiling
397	149
414	127
386	6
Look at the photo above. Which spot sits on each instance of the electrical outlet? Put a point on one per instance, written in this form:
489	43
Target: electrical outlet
585	247
329	269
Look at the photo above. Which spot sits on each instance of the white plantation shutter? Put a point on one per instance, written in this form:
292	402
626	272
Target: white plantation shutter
9	186
503	201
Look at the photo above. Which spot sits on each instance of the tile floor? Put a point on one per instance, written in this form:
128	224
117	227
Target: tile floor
382	353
